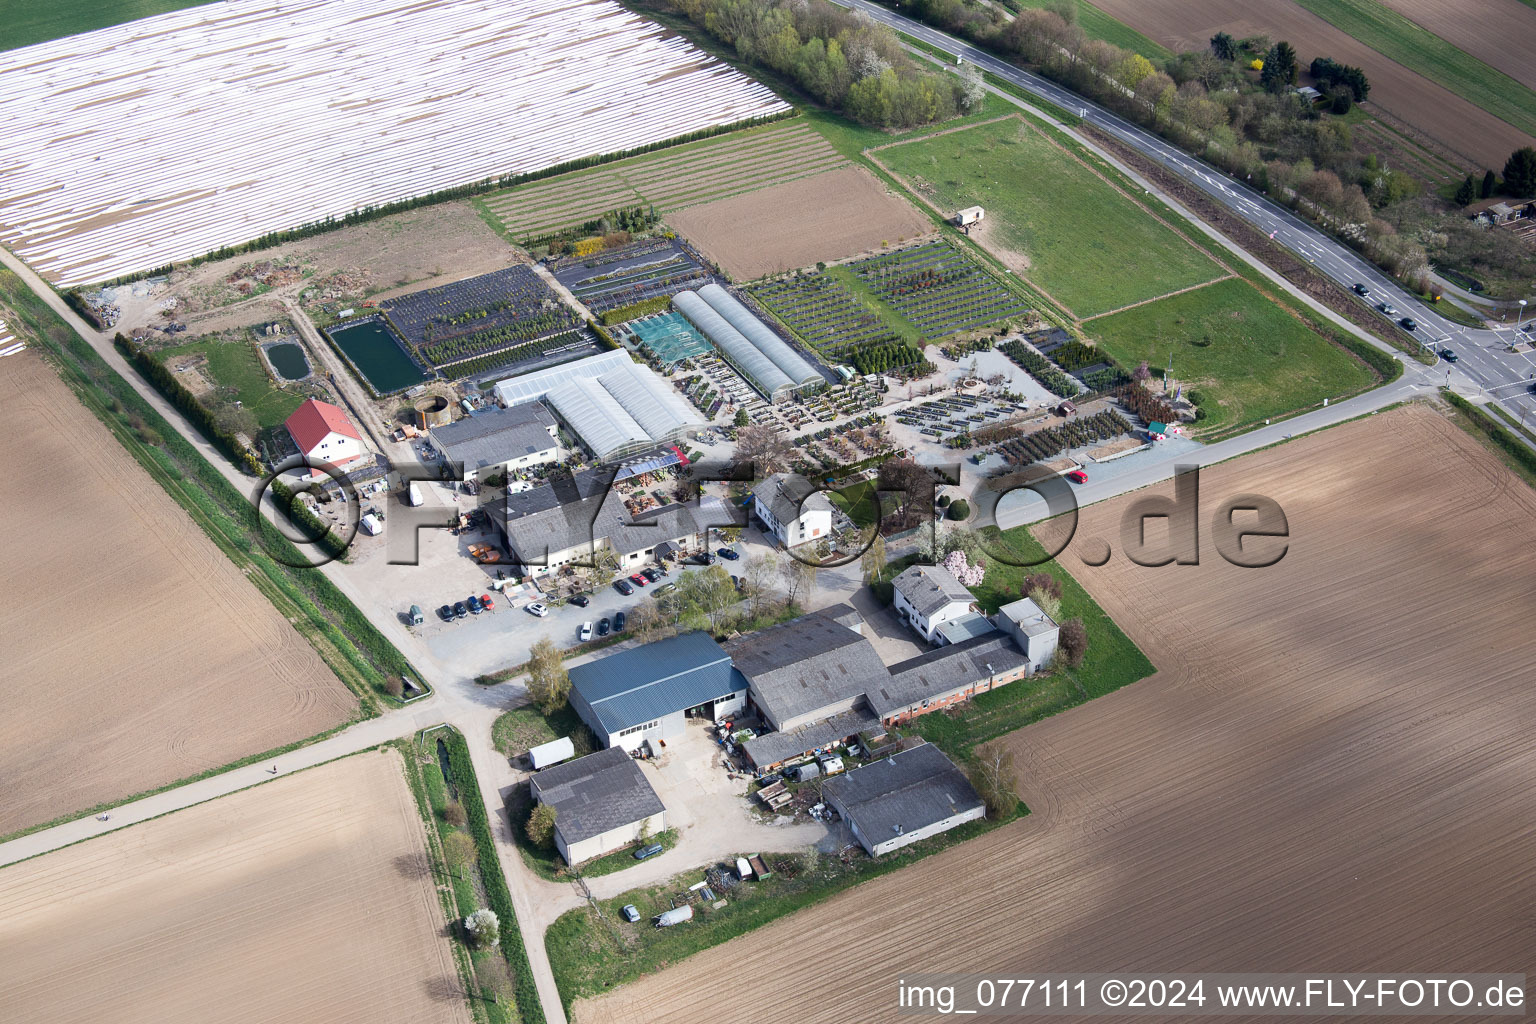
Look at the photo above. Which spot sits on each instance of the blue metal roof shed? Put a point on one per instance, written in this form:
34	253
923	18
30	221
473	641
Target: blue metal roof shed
652	681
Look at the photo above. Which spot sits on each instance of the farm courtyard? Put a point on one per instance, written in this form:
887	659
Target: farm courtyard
1331	765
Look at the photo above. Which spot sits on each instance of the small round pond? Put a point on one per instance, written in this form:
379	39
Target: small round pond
289	361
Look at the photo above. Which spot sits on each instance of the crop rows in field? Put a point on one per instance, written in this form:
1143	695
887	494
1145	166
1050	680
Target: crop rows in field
939	289
648	269
478	315
669	180
823	312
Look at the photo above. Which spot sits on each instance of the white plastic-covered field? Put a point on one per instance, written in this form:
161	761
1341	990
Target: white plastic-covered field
142	144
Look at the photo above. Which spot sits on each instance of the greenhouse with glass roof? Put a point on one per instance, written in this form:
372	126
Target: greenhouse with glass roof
614	405
751	345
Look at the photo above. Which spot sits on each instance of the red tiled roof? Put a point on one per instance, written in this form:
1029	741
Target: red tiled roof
312	421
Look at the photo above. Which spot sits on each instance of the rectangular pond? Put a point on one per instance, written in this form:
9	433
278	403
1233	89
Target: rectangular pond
378	355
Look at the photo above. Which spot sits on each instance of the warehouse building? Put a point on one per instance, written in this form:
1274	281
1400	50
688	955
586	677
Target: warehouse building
602	802
571	520
764	358
498	440
648	693
616	406
901	799
807	669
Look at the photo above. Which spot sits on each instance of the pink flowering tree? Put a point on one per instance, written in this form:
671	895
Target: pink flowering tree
961	569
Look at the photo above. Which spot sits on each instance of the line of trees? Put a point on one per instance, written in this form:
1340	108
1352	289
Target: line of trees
187	404
848	62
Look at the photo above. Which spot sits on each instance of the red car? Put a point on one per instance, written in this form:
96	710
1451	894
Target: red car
486	602
638	580
1077	476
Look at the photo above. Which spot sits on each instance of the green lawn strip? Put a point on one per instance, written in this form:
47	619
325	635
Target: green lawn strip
1509	419
344	637
1088	244
456	892
590	955
1249	358
1494	435
1098	25
27	22
1414	47
235	364
903	328
521	729
1061	114
493	883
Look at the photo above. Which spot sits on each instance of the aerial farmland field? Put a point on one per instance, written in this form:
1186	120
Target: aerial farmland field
147	656
1407	92
1332	765
308	898
1050	217
202	135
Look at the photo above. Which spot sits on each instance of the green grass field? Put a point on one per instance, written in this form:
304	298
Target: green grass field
1248	357
235	364
1088	244
27	22
1394	36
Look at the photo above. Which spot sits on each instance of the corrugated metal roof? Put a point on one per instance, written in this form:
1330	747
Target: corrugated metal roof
655	680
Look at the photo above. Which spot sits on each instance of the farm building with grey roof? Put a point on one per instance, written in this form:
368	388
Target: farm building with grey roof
602	802
900	799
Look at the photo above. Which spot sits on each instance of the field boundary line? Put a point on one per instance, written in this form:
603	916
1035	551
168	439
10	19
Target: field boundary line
1229	276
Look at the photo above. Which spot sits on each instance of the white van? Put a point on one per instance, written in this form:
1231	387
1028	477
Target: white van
371	525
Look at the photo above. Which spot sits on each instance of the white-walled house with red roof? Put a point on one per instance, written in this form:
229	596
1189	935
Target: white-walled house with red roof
324	434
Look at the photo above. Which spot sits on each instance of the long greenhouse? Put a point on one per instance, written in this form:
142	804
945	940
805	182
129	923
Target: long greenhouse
614	405
751	345
166	138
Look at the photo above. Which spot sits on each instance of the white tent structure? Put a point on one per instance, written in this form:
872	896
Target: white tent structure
553	752
616	405
751	345
143	144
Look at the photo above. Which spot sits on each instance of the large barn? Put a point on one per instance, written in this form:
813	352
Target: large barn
649	692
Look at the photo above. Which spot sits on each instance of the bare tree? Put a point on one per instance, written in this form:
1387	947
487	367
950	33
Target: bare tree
873	562
1073	641
495	979
799	577
549	685
765	447
460	852
453	814
993	774
913	484
758	578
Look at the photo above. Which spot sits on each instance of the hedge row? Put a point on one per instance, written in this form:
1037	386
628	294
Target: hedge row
1500	435
496	893
304	516
635	310
187	404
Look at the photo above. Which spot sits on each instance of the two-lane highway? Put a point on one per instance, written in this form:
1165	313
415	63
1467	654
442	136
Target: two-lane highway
1484	360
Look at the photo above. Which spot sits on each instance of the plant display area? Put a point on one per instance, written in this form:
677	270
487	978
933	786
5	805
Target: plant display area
940	290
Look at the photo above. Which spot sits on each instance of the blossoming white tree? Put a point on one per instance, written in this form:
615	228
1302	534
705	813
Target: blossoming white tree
961	568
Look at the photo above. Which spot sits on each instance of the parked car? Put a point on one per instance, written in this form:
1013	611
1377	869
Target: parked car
586	631
414	616
630	913
648	851
727	554
618	622
486	602
637	580
651	575
1361	289
580	600
623	587
1408	323
474	605
538	609
1077	476
459	611
445	613
1449	355
664	590
602	626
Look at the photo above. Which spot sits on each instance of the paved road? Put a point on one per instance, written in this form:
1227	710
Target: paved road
1484	362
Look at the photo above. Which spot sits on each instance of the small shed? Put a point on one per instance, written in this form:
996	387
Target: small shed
1066	408
970	215
553	752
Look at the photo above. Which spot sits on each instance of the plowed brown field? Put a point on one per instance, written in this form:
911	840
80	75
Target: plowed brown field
1440	113
1500	33
136	653
827	216
1333	770
307	899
